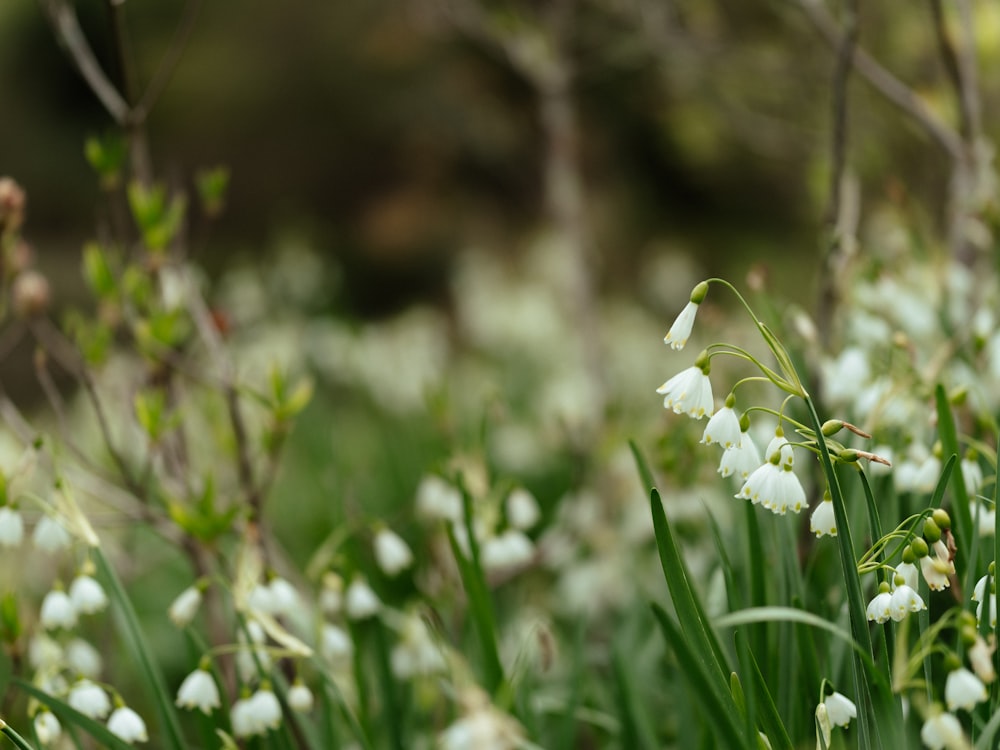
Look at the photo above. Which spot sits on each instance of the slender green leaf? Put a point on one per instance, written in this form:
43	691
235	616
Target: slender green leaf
645	474
171	735
774	728
636	731
703	681
692	618
11	734
960	495
69	716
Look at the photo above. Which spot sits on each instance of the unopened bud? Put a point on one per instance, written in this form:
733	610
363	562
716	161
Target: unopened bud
932	532
831	427
919	547
958	396
699	292
12	202
31	294
941	518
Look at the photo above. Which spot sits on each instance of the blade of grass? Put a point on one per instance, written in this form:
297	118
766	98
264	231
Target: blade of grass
960	495
774	728
636	731
703	680
171	735
692	617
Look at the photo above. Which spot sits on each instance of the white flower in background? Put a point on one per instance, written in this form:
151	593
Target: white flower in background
688	392
506	551
943	731
244	719
843	376
184	608
903	601
937	567
481	726
972	473
522	509
840	709
50	535
264	703
724	427
880	607
261	599
981	659
392	554
876	469
984	516
44	653
993	610
11	527
47	727
962	689
199	692
927	475
438	500
416	653
360	601
89	699
83	658
742	460
823	522
57	610
300	698
127	725
331	594
284	596
87	595
335	644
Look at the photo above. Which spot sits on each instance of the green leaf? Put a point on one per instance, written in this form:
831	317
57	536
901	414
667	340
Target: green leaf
689	610
960	495
69	716
704	683
774	728
170	734
635	729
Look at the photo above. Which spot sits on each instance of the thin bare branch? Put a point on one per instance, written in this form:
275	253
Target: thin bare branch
885	82
70	35
170	61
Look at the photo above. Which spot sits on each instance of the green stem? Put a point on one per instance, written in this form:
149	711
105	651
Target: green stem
13	736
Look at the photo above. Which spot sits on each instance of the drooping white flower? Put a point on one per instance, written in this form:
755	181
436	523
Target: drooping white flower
927	475
266	707
823	522
47	727
57	610
300	698
244	720
482	726
779	444
331	594
335	644
688	392
392	554
438	500
44	653
11	528
522	509
981	659
962	689
788	493
416	653
910	574
880	607
87	595
184	608
904	600
742	460
938	567
89	699
50	535
199	692
680	331
261	599
723	428
984	517
284	596
972	474
83	658
506	551
127	725
840	709
943	731
360	601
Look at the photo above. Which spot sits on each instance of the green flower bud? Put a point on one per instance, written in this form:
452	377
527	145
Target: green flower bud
730	400
909	556
831	427
932	532
941	518
968	635
704	362
952	662
920	548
